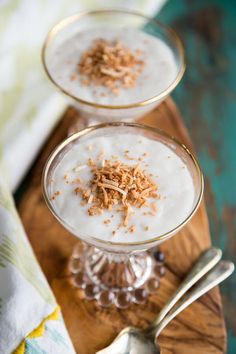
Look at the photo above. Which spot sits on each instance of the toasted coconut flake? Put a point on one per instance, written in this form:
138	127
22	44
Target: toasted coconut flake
73	77
110	64
127	214
111	182
105	195
110	186
95	210
56	194
132	229
76	181
77	190
80	168
136	169
142	203
107	221
146	191
154	207
120	186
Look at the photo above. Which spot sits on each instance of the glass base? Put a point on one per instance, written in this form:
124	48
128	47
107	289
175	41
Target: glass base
114	279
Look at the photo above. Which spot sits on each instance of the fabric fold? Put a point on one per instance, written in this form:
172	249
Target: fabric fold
25	296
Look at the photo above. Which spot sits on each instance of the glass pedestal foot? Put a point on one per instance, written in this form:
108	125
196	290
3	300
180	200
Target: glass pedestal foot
114	279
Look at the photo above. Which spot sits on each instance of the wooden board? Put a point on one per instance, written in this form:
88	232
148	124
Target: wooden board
199	329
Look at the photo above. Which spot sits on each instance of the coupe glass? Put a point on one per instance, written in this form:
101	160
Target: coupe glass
115	272
92	111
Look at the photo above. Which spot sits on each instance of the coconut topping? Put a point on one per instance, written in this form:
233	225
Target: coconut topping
118	186
110	64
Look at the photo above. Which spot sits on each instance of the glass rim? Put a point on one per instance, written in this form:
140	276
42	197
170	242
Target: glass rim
70	19
88	130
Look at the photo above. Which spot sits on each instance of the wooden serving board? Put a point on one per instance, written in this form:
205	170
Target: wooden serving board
199	329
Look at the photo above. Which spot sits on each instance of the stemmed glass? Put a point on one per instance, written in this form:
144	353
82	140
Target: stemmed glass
92	112
118	272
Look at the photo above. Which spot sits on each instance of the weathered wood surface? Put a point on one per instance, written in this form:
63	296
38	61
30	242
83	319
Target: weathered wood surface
207	100
199	329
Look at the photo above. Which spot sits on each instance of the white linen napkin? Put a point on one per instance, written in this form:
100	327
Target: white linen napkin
30	319
25	296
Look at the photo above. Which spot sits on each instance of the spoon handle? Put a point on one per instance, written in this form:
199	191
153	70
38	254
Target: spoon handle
215	276
205	262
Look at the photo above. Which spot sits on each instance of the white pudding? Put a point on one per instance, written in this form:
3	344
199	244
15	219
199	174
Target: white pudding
159	161
159	72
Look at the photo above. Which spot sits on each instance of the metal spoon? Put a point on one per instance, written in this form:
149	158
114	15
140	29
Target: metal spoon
205	262
136	341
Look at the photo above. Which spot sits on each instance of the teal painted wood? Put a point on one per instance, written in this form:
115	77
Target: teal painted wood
207	100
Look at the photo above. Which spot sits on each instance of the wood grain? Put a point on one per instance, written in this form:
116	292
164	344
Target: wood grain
207	99
199	329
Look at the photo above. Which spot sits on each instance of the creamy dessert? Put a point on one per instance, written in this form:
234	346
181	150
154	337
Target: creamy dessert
113	66
121	187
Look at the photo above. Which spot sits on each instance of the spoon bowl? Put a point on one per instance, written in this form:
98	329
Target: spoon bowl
135	341
132	341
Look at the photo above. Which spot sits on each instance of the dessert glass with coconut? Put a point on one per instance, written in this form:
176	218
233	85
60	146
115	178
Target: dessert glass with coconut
122	188
113	65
